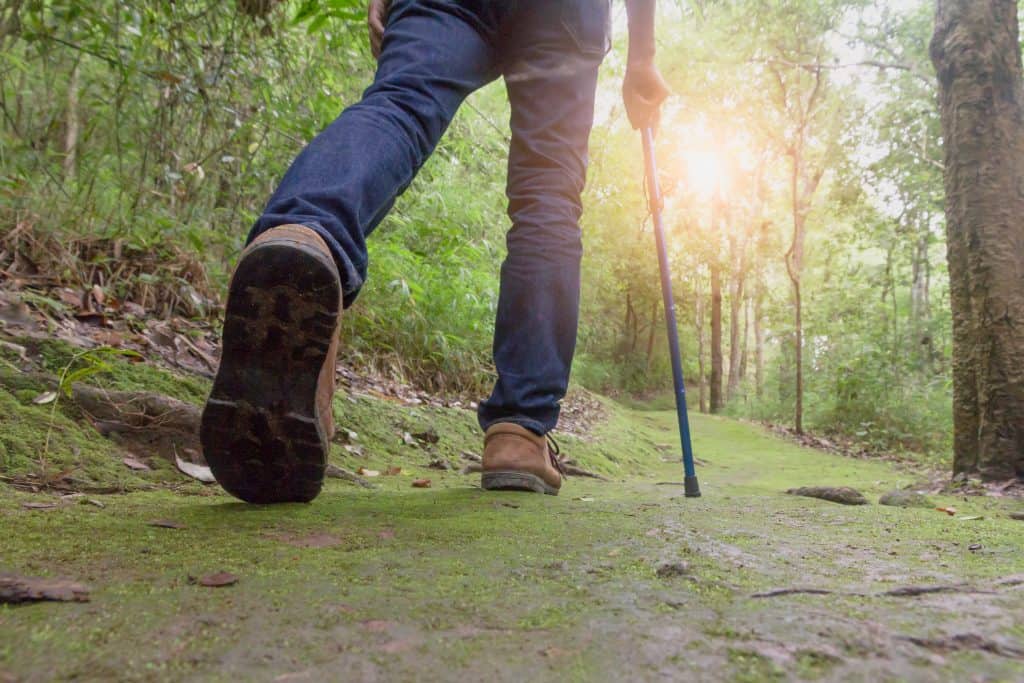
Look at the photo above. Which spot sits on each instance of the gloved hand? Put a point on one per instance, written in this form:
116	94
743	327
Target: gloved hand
377	16
643	91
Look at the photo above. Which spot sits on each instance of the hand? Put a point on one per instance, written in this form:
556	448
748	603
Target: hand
377	16
643	91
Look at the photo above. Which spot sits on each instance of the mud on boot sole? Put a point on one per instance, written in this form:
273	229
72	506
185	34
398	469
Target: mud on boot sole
516	481
261	432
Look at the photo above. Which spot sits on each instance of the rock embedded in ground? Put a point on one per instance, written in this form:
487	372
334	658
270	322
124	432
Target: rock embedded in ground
905	499
844	495
18	589
1019	516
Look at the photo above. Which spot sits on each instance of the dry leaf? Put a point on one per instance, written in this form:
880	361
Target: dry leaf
971	518
197	472
392	471
134	464
949	511
218	580
45	397
367	473
421	484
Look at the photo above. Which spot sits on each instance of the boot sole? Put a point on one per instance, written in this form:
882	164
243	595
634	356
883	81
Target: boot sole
261	430
516	481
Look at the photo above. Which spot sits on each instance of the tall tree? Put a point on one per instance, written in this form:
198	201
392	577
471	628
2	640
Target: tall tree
717	398
977	56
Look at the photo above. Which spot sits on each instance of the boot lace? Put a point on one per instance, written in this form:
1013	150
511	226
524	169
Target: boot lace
553	452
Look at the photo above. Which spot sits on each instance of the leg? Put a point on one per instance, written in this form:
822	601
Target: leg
551	82
344	183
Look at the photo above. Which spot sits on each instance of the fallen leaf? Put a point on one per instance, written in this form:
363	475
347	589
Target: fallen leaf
367	473
134	464
971	518
949	511
98	295
218	580
15	589
45	397
167	524
973	547
421	484
584	499
392	471
197	472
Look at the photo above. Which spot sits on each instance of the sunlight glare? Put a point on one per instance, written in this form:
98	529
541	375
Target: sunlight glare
705	172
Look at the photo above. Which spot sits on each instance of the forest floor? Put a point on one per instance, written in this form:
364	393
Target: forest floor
612	580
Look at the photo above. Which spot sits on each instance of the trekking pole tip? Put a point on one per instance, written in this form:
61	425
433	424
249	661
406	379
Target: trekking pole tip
691	487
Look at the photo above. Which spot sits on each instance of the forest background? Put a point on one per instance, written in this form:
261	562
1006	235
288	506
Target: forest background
801	159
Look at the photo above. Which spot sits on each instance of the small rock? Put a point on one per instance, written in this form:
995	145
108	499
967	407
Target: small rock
667	570
843	495
428	435
905	499
439	464
1019	516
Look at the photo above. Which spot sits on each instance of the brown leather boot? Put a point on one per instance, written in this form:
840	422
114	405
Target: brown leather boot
267	425
516	459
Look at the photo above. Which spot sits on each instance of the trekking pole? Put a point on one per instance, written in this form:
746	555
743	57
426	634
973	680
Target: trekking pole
690	485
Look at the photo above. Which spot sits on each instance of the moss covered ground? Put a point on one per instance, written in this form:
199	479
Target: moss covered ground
616	580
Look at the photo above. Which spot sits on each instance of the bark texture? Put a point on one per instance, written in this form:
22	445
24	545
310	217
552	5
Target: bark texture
977	56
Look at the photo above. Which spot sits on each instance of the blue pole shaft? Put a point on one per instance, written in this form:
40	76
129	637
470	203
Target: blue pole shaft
692	488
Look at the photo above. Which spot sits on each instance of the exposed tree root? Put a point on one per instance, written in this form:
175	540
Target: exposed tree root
965	642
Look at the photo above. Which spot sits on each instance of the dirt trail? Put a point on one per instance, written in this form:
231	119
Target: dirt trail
620	580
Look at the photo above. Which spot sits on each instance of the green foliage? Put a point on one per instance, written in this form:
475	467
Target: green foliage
140	140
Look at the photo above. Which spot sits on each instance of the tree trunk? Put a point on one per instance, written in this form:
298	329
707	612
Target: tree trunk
746	338
759	344
976	53
650	334
71	126
716	339
735	304
699	315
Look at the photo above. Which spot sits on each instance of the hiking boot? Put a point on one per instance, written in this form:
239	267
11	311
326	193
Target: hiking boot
267	425
516	459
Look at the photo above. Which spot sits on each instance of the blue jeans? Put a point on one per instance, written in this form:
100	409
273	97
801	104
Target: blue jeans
435	53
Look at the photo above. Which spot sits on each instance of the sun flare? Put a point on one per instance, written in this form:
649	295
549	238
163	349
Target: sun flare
704	172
